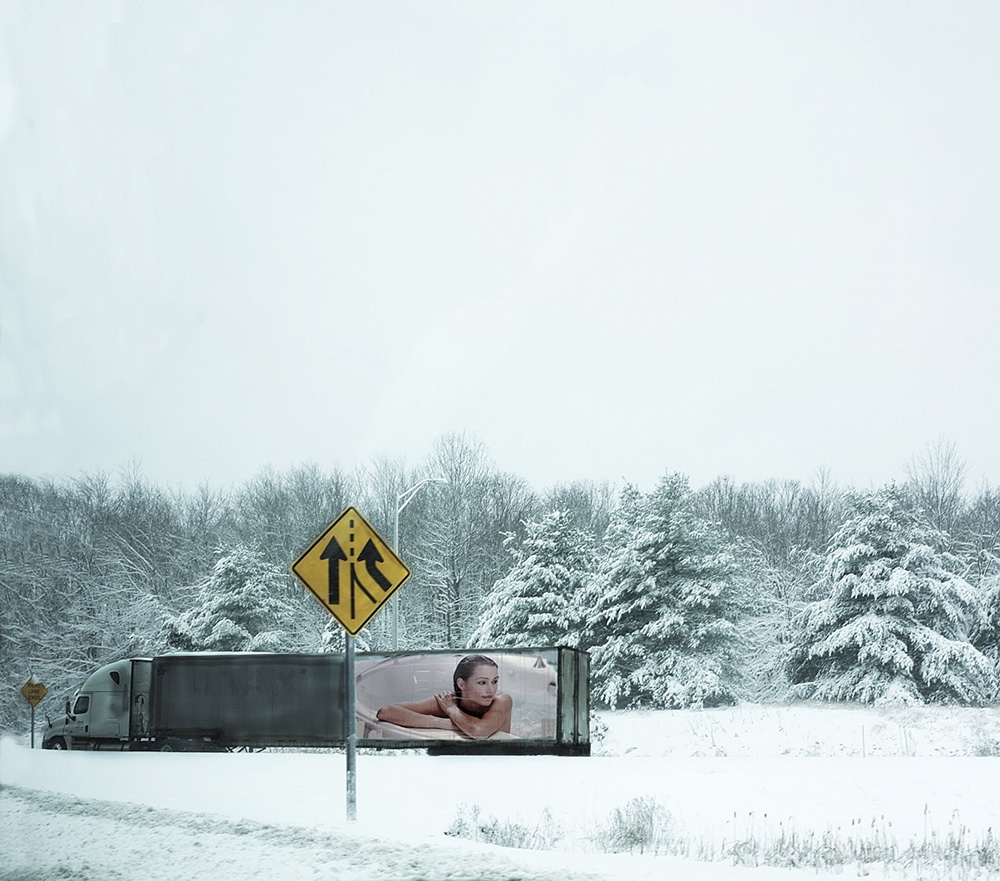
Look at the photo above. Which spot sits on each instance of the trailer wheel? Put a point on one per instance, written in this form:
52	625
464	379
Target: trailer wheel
172	746
56	743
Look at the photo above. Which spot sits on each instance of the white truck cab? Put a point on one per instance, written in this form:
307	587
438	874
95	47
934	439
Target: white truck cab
108	711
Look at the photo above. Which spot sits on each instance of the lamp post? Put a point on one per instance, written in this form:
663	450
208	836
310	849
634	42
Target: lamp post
402	500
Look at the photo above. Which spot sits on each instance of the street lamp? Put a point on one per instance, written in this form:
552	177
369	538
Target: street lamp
402	500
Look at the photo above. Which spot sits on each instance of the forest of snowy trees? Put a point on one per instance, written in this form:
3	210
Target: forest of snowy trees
683	596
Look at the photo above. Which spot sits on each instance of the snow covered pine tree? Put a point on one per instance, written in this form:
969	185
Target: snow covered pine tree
537	602
661	611
241	607
896	622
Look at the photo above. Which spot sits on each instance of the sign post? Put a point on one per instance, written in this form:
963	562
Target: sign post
353	572
352	731
33	693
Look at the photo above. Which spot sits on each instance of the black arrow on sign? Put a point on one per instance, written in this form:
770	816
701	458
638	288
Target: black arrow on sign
371	556
356	582
333	554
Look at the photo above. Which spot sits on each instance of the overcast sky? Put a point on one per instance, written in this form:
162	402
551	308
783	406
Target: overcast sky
606	240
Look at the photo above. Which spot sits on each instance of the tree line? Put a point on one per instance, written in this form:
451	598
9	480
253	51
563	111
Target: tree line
732	591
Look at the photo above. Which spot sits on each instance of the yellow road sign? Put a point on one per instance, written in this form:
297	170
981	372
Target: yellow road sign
351	570
33	691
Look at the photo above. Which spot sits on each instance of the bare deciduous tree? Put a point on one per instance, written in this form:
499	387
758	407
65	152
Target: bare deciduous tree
936	480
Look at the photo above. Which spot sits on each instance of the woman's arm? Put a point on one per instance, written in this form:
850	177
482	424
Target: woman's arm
415	714
496	718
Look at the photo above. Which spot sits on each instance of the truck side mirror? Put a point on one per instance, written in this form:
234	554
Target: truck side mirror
69	714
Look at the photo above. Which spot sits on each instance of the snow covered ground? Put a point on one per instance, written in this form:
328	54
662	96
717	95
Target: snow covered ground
739	785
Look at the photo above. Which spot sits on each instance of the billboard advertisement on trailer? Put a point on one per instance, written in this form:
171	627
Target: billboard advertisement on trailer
504	695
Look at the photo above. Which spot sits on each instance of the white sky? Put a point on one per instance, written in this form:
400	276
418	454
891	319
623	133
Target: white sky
606	239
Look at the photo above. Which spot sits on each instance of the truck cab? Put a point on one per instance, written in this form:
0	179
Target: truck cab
107	712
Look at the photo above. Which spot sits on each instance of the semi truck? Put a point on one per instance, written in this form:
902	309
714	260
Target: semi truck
204	701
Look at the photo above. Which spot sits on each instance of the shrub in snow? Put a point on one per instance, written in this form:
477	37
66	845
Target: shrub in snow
642	825
469	823
536	603
895	622
660	612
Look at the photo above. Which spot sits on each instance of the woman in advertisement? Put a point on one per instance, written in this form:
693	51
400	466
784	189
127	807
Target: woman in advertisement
476	708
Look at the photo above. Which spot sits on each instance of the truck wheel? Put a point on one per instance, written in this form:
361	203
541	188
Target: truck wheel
56	743
171	746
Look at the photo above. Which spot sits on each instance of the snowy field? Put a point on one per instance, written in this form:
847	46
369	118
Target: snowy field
739	793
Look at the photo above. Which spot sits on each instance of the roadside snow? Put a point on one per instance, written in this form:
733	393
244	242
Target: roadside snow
726	774
805	729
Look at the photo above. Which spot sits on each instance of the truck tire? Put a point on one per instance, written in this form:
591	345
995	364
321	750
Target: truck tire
55	743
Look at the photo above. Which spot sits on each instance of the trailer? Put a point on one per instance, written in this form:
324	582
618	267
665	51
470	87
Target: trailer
207	701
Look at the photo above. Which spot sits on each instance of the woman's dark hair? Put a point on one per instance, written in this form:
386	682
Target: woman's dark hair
466	667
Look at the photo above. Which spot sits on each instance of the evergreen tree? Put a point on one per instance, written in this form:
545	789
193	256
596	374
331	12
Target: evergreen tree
243	606
986	635
535	604
896	618
333	639
661	615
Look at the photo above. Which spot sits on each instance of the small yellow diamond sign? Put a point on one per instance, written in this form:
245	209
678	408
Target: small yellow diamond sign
351	570
33	691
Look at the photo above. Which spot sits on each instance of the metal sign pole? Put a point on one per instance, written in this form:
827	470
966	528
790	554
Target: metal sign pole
352	734
32	726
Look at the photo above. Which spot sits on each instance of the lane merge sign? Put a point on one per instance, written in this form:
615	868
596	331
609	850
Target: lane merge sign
351	570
